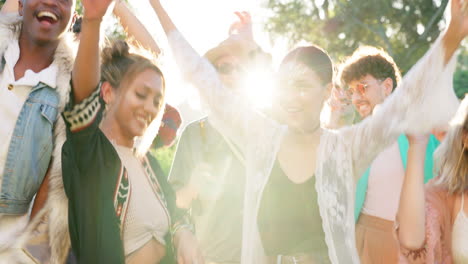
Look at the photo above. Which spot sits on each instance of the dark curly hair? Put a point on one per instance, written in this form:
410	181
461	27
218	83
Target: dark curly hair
369	60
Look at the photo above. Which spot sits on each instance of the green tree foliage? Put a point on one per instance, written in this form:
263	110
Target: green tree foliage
165	156
79	7
404	28
460	79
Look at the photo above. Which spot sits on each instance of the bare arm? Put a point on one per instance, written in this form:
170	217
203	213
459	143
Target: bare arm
134	27
457	29
164	18
42	194
411	213
86	71
10	6
231	114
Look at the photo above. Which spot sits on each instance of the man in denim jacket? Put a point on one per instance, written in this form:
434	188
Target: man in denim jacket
36	62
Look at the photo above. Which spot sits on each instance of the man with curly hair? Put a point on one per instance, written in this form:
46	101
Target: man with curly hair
369	76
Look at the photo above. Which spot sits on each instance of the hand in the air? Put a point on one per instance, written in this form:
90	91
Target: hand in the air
95	9
243	27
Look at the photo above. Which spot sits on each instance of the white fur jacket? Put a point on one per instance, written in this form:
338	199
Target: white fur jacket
53	217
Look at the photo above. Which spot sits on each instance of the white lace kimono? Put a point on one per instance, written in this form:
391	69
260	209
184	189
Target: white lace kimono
424	99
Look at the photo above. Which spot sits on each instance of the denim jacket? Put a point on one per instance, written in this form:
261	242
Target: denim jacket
29	151
33	143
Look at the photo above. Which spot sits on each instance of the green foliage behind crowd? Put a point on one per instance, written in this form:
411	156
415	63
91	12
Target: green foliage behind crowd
404	28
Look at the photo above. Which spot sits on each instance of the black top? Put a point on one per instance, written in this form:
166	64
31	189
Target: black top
92	176
289	221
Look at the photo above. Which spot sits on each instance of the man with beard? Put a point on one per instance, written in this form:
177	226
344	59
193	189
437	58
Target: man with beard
369	76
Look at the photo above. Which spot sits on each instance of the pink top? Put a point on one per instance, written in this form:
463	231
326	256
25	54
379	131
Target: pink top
385	183
439	223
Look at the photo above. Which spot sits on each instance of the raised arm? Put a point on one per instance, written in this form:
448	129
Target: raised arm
424	100
338	111
164	19
457	29
136	31
86	72
411	213
232	115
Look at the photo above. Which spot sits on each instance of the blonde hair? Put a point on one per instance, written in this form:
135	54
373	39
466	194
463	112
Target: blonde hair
120	67
452	155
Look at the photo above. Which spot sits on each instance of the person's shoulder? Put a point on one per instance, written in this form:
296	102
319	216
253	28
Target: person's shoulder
201	130
10	25
197	122
198	125
8	19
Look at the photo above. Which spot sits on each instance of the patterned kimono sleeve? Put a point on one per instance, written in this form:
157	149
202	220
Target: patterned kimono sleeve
85	116
232	115
425	99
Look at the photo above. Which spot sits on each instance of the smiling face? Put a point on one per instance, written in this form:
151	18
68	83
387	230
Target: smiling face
367	92
299	97
134	106
44	21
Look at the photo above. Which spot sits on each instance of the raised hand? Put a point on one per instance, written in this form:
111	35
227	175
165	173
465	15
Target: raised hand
459	16
86	74
95	9
339	99
243	27
457	29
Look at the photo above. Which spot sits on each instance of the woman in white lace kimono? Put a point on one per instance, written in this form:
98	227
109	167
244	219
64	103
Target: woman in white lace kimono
334	157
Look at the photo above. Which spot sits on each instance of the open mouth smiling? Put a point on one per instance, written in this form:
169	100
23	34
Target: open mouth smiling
47	17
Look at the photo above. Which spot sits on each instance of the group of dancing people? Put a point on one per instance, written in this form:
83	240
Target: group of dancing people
304	182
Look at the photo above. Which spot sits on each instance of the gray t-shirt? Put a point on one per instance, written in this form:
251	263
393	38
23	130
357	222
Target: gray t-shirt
217	212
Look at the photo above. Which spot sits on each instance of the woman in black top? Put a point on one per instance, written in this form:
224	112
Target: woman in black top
121	208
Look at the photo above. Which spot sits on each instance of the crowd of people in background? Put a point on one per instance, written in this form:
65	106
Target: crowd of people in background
353	163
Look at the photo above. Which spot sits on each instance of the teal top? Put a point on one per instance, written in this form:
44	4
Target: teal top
361	187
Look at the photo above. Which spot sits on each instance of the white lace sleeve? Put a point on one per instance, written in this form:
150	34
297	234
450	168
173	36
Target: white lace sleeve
425	99
229	113
257	136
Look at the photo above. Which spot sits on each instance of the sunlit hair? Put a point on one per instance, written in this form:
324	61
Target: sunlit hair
119	68
314	58
369	60
451	158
